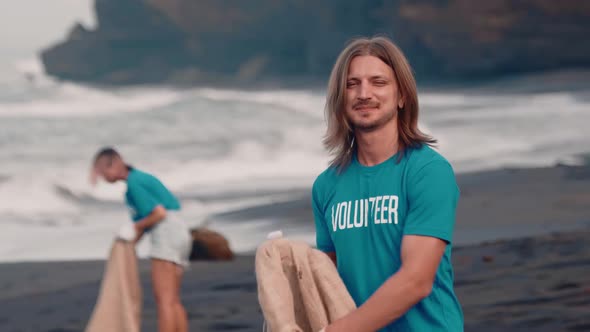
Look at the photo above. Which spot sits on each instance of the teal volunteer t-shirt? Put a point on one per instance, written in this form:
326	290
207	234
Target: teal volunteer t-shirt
145	192
362	215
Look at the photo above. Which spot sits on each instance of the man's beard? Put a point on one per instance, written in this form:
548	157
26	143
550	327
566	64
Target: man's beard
374	125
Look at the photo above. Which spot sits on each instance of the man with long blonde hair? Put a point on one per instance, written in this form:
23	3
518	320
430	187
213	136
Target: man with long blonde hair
385	208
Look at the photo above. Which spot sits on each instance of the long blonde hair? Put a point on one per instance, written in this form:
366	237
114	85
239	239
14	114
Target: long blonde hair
339	138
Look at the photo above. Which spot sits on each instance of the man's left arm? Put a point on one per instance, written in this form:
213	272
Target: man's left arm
421	257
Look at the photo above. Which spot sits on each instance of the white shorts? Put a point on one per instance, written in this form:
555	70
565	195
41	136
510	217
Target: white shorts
171	240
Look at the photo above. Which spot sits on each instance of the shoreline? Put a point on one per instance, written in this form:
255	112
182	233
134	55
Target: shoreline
494	205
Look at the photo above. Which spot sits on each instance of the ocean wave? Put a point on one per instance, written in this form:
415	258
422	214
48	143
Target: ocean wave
41	96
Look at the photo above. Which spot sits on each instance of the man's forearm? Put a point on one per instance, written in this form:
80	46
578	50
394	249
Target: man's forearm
157	215
396	296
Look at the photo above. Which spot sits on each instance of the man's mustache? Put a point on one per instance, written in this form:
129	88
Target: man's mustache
365	104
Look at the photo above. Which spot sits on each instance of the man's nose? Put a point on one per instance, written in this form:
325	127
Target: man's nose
364	91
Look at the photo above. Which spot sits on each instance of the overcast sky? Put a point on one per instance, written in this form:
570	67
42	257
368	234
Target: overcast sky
28	25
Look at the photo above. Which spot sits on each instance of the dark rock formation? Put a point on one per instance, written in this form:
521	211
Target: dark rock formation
209	245
207	41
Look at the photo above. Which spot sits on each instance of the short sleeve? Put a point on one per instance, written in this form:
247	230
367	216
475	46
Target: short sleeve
432	201
143	201
323	238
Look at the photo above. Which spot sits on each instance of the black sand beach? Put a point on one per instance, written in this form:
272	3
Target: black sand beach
537	279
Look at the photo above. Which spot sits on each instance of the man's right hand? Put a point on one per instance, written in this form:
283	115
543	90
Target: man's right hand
139	231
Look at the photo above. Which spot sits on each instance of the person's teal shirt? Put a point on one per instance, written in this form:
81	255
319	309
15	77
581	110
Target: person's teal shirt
362	214
145	192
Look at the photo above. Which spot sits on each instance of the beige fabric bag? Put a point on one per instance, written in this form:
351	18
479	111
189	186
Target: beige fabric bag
118	308
299	288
